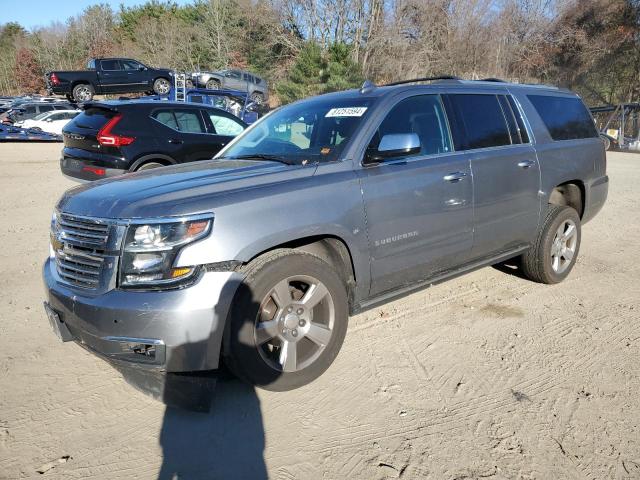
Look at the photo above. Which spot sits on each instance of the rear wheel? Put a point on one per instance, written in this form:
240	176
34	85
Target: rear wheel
288	321
213	84
83	92
556	248
161	86
257	97
149	166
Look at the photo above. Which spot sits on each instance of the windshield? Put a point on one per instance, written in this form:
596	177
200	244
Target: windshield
310	131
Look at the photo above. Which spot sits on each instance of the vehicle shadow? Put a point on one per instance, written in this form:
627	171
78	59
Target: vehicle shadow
212	425
513	266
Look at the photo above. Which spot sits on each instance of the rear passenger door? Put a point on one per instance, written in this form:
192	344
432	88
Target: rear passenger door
112	77
506	174
183	134
419	207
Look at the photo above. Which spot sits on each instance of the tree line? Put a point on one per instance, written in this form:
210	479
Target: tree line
307	47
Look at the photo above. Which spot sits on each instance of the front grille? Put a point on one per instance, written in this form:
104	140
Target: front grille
80	249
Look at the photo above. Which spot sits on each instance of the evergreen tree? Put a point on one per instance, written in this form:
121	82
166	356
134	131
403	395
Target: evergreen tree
316	72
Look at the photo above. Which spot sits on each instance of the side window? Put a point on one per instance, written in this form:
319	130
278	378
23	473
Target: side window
186	121
189	121
130	65
422	115
45	108
225	125
566	118
110	65
166	117
234	74
480	121
30	109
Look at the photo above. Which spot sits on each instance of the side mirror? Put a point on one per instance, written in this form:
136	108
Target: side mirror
393	145
141	68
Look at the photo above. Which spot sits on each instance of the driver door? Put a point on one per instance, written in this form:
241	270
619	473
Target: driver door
419	207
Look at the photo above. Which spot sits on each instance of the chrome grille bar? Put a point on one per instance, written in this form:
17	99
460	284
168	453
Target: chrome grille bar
80	254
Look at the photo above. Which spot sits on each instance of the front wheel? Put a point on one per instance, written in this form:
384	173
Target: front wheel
556	247
161	86
288	321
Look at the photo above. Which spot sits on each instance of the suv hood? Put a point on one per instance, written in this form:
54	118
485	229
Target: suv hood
177	190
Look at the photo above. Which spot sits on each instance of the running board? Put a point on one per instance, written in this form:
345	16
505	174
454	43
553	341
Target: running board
404	291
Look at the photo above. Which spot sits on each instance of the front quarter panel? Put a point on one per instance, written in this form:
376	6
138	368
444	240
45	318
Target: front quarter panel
254	221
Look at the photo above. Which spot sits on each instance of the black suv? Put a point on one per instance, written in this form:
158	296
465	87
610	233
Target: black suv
116	137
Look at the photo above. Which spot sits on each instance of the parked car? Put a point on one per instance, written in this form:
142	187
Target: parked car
233	80
116	137
29	110
109	75
321	209
51	122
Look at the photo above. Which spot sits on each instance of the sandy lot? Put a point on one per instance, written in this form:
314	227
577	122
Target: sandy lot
486	376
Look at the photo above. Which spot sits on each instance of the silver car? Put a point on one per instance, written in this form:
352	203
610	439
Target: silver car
233	80
321	209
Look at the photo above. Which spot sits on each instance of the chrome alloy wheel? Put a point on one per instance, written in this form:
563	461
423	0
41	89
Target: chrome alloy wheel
295	323
162	86
564	246
82	93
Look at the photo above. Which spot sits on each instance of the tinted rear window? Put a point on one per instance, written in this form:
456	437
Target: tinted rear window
566	118
93	118
480	121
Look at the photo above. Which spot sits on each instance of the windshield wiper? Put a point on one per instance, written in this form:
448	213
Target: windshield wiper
261	156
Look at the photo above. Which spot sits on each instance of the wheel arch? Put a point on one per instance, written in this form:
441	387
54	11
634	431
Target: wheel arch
570	193
331	248
155	157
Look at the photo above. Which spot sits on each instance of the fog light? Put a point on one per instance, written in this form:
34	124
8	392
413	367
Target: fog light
180	272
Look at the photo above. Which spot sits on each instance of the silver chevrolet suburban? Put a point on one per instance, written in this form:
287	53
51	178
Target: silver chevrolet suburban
323	208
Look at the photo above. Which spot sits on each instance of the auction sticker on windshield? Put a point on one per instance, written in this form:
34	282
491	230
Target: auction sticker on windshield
346	112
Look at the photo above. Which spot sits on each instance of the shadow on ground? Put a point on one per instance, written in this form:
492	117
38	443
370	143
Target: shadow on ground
212	426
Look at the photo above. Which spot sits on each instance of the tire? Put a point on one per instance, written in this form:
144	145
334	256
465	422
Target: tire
161	86
555	250
257	97
149	166
212	84
83	92
298	340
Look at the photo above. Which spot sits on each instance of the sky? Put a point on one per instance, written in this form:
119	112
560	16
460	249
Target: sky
33	13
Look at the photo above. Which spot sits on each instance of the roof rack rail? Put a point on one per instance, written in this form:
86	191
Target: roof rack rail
492	79
422	79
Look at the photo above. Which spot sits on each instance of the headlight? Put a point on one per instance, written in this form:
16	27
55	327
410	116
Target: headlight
150	251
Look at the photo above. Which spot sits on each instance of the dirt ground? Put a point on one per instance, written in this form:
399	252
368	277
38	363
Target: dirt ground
485	376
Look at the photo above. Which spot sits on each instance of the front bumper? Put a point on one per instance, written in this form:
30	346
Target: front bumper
171	331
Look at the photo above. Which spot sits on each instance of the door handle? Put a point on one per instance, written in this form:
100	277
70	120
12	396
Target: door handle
454	177
526	163
175	141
